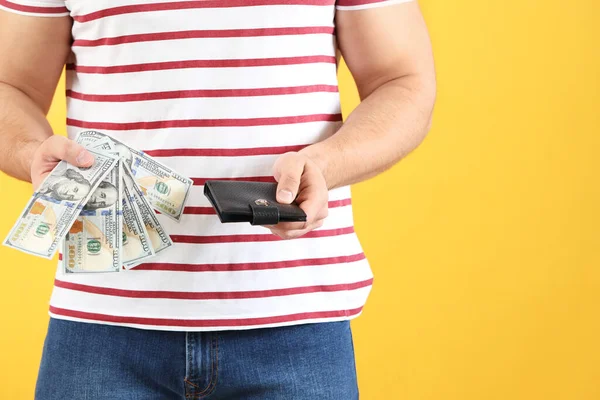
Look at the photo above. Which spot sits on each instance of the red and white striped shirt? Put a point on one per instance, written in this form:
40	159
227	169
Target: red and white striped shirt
216	89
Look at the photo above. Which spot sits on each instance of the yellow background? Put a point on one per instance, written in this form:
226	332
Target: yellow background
484	242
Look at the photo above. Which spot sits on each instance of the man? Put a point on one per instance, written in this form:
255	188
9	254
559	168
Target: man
218	89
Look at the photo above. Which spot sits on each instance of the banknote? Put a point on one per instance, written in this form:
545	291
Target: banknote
153	238
56	204
165	189
94	241
159	238
105	144
136	244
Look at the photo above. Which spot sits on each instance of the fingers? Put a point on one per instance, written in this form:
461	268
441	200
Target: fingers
294	233
36	180
316	211
315	207
301	180
57	148
287	170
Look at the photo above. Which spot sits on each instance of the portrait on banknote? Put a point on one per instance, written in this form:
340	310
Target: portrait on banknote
104	196
65	183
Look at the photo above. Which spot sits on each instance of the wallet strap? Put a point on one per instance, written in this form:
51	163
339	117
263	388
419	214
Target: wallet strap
264	213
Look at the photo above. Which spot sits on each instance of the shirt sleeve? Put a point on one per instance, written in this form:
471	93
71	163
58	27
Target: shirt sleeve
37	8
363	4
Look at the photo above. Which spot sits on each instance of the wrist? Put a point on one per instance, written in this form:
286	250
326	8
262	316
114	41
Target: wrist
317	154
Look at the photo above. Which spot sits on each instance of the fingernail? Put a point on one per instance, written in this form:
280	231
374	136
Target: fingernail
286	196
84	158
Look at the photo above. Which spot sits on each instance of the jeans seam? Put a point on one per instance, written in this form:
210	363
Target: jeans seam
192	384
214	369
190	369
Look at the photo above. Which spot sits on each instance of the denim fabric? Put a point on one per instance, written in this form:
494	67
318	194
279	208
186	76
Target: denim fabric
97	362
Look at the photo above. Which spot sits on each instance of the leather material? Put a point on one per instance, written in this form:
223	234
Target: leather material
264	214
253	202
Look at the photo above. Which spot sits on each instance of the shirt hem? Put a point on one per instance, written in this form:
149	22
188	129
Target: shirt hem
205	329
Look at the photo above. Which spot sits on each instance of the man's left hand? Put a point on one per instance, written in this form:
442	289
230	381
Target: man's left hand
301	179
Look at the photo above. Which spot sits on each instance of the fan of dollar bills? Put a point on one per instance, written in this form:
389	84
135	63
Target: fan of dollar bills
102	217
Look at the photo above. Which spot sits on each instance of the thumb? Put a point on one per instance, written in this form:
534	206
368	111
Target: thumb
287	171
62	148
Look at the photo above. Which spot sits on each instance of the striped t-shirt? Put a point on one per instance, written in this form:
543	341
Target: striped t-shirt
216	89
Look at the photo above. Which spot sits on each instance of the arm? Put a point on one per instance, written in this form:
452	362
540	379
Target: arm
34	51
388	52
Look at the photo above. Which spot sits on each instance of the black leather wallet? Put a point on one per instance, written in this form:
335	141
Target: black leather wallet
247	201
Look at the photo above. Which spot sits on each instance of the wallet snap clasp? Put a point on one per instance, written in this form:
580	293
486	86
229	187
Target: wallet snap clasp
264	213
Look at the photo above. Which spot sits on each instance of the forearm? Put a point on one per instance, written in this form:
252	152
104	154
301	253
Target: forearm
391	122
23	126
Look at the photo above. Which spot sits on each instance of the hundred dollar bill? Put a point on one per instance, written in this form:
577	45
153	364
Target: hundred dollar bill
105	144
136	244
93	243
159	238
56	204
165	189
152	236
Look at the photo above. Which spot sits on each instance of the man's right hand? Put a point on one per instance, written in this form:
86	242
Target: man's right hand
51	151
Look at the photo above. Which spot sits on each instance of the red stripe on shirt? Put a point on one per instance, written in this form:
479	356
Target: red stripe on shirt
197	210
204	123
230	63
251	266
201	93
340	203
250	294
267	237
205	323
244	152
200	34
33	9
186	5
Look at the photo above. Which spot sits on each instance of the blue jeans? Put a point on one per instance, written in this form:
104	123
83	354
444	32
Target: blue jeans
97	362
